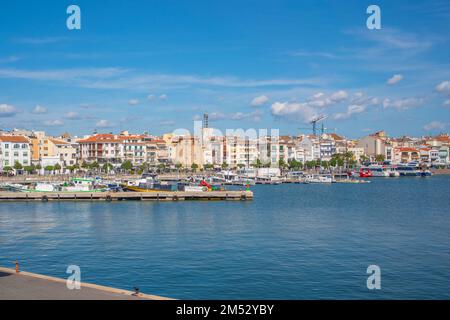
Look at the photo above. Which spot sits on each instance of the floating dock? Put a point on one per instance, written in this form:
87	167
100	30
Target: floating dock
31	286
120	196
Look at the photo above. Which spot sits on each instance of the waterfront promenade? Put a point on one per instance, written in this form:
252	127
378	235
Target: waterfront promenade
119	196
31	286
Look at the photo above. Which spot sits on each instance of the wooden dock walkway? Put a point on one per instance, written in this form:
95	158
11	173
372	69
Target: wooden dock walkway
119	196
32	286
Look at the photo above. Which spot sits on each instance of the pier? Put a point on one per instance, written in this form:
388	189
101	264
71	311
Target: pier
120	196
31	286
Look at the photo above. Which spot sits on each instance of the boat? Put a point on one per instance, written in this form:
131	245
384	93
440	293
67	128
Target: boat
413	169
316	178
365	173
149	183
378	170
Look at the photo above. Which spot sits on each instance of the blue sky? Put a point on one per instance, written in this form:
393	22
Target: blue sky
157	65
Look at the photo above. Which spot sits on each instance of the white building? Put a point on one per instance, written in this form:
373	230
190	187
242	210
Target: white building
14	149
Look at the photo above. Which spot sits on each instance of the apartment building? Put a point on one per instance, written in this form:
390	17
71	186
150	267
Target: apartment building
14	149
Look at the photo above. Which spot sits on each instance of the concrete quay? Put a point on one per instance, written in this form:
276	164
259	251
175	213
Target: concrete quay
119	196
32	286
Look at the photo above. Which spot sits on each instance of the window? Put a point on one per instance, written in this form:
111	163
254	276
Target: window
6	145
16	146
16	154
24	146
25	161
25	154
6	154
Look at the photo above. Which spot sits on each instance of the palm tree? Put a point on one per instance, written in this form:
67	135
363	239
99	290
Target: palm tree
379	158
257	164
194	167
224	166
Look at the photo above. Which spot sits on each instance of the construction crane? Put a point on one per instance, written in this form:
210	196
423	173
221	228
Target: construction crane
314	123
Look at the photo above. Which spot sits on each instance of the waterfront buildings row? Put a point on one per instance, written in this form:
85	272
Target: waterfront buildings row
21	148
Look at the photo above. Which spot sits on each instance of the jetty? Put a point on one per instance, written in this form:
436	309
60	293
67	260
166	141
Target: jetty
121	196
20	285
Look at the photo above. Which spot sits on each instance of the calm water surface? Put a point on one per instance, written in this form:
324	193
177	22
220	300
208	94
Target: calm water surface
292	242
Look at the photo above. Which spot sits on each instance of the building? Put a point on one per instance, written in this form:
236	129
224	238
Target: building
374	144
405	154
14	149
101	148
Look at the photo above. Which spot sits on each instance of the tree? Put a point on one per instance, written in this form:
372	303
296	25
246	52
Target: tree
294	164
281	164
85	165
107	167
178	166
38	167
224	166
57	167
29	169
194	167
241	165
257	164
208	166
161	167
49	168
94	165
127	165
363	158
7	168
18	166
379	158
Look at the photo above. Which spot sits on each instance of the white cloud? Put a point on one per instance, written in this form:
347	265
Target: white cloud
119	78
259	101
103	124
395	79
319	54
54	123
435	125
443	87
321	100
39	109
7	110
299	111
253	116
163	97
339	96
402	104
37	41
133	102
351	110
446	103
151	97
73	115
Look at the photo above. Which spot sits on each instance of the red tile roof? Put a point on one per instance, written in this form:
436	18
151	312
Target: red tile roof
20	139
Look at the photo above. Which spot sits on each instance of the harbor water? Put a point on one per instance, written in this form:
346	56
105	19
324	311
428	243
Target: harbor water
293	241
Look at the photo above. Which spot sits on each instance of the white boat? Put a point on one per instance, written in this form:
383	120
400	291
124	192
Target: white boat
413	170
327	178
378	170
